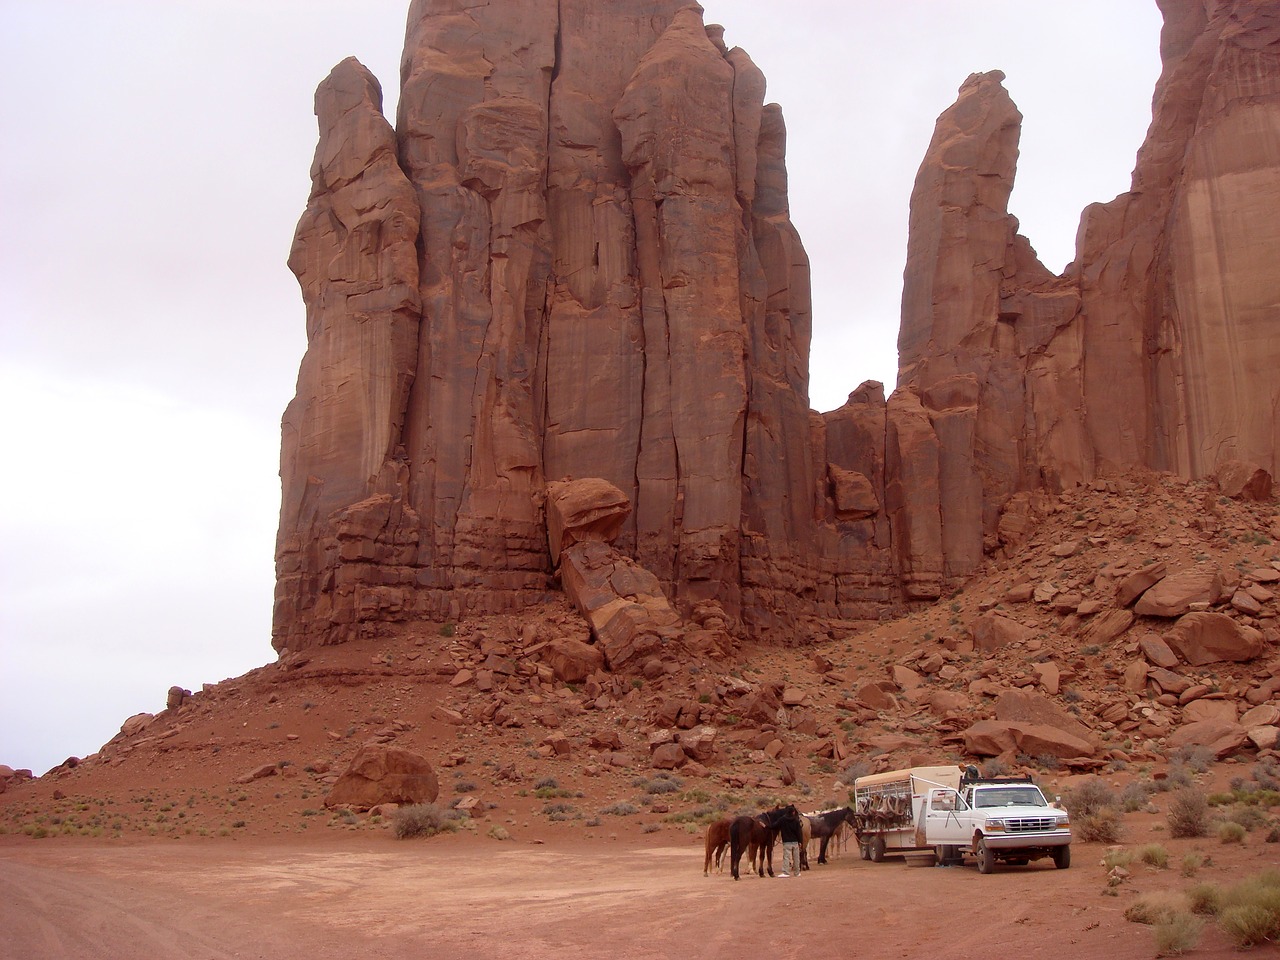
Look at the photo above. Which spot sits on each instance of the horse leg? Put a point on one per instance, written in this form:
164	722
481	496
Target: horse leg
735	849
822	849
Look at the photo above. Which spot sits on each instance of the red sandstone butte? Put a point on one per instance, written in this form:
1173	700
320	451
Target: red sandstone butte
573	257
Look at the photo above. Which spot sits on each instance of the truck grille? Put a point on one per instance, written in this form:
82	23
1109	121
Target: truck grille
1030	824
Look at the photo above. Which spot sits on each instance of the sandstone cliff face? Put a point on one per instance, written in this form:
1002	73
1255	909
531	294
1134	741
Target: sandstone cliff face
1157	347
601	280
573	258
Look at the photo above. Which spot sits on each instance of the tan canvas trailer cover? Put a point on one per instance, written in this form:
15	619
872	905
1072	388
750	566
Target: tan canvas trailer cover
886	807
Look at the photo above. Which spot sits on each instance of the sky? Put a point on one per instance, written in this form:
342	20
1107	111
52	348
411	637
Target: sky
155	163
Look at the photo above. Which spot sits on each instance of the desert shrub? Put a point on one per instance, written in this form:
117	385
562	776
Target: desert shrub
551	793
651	828
1117	857
1248	924
1197	759
1154	855
1206	898
560	811
856	769
1089	797
662	783
1248	816
1178	778
621	809
1101	827
464	786
421	820
1188	814
1162	906
1135	796
498	832
1191	864
1229	832
995	767
1179	935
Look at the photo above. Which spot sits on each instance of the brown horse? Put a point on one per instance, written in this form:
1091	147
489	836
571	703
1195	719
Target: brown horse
717	840
755	836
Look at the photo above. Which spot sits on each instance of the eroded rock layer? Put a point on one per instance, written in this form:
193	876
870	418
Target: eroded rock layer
573	258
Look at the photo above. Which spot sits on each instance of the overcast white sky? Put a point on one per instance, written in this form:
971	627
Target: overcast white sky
155	162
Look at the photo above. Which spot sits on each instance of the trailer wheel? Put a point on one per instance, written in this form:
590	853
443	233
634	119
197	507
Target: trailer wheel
864	849
1062	856
986	857
877	849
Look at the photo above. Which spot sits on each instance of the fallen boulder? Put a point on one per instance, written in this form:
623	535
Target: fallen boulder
381	774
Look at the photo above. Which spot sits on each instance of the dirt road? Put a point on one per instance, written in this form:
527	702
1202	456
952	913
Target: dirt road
467	897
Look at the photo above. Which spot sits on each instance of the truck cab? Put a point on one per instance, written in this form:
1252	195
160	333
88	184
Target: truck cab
1000	819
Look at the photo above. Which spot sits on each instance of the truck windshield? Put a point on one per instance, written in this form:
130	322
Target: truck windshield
1009	796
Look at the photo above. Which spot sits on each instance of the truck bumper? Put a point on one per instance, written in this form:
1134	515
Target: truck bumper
1022	841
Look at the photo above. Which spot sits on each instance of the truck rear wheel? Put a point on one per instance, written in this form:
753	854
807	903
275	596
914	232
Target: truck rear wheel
986	857
876	849
1062	856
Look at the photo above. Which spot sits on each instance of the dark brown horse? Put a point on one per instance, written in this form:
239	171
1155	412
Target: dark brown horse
755	836
717	840
824	826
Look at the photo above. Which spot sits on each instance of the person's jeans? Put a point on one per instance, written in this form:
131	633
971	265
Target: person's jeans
791	859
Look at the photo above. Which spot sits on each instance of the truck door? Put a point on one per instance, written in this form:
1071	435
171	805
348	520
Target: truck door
944	818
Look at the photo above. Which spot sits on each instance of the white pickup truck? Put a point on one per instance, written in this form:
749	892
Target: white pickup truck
955	813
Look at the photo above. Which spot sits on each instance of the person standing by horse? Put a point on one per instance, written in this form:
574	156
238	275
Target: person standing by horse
791	832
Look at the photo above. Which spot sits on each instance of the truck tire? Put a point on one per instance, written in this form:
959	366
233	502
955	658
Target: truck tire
986	857
876	849
1062	856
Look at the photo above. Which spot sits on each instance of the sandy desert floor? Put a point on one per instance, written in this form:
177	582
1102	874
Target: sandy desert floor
469	897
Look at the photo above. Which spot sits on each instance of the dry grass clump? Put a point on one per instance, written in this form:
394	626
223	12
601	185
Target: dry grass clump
1154	855
1159	907
1188	814
1248	912
1230	832
1104	826
421	820
1179	935
1117	857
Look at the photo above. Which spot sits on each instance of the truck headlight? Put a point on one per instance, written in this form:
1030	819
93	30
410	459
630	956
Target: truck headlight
1064	820
995	825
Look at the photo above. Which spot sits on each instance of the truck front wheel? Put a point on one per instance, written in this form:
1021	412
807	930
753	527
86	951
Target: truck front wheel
1062	856
876	849
986	857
